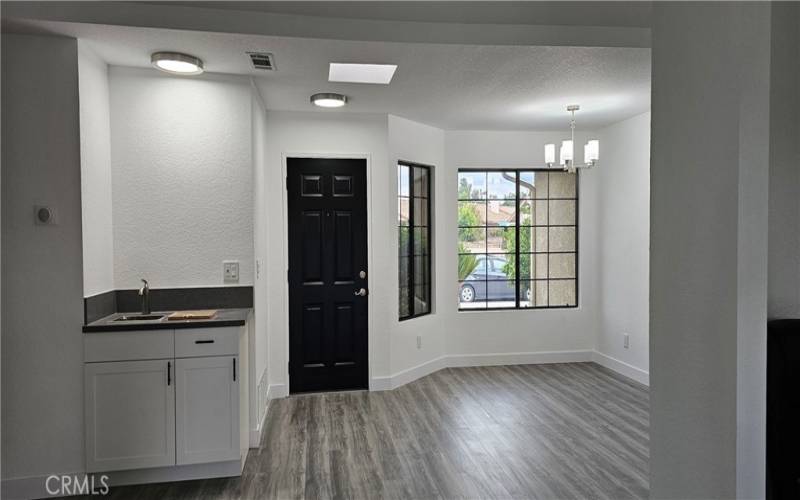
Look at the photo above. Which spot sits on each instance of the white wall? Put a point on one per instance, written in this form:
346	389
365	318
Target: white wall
708	219
784	185
261	223
42	286
96	210
330	133
476	334
419	143
182	178
624	244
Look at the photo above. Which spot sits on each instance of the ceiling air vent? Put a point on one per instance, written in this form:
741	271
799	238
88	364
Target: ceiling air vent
262	60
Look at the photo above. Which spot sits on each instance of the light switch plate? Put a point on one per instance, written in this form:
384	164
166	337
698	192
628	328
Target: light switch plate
230	271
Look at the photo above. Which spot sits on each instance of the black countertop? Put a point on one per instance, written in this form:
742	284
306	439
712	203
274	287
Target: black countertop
224	317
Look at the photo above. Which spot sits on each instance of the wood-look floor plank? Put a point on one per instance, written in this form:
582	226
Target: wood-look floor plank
557	431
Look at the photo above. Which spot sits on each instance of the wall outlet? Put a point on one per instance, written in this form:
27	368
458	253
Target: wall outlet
230	271
419	341
626	340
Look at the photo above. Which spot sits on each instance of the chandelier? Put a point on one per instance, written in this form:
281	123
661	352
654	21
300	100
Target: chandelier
591	150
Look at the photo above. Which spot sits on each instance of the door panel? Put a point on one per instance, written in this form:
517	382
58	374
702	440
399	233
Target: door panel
130	415
312	246
327	213
207	409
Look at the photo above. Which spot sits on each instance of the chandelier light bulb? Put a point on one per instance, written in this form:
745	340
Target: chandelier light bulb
566	152
593	147
549	154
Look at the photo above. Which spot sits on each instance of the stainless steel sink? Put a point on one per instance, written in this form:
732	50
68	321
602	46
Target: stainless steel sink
140	317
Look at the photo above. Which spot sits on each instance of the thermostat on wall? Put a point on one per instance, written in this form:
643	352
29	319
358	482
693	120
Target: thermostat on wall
45	216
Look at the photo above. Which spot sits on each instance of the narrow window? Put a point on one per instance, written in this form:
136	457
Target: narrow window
517	239
414	228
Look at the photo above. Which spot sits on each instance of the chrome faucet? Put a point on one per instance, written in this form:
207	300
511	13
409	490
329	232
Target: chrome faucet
144	293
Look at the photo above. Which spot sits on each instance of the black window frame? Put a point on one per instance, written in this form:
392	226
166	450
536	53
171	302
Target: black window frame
427	252
517	280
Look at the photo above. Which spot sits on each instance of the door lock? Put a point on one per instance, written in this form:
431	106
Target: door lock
362	274
361	292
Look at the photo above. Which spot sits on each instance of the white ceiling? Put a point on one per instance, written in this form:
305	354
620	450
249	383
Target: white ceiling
457	87
561	13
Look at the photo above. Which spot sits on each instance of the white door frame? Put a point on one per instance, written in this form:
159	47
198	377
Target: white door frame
285	246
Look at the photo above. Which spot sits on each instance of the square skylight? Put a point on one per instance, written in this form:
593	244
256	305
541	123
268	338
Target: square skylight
361	73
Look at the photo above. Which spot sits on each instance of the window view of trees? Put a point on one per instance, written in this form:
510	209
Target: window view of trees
497	208
414	223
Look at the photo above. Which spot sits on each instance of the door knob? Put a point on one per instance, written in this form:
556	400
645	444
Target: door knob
361	292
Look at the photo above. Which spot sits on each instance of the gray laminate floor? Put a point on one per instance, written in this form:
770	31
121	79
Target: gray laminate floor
533	431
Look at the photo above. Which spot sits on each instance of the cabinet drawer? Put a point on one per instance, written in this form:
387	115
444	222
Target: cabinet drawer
196	342
128	346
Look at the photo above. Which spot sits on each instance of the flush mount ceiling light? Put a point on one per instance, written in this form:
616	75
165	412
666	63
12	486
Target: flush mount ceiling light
361	73
329	100
591	150
177	63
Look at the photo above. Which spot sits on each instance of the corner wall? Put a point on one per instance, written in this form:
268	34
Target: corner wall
498	337
261	225
624	246
419	143
97	208
42	282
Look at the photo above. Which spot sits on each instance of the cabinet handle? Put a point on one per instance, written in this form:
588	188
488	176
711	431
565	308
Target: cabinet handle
234	369
203	341
169	373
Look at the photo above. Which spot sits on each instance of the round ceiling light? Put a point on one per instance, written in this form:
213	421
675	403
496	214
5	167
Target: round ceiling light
177	63
329	100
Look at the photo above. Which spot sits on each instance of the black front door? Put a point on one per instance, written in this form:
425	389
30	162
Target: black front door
327	272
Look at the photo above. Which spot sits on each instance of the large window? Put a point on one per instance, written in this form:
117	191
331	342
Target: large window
517	239
414	223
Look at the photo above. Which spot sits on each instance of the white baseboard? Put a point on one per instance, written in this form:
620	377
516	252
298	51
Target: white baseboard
255	434
275	391
622	368
261	411
403	377
380	383
518	358
408	375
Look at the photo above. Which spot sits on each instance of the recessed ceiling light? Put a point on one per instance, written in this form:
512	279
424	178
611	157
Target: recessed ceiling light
361	73
177	63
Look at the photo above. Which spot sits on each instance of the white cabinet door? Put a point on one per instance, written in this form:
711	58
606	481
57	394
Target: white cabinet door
207	409
130	414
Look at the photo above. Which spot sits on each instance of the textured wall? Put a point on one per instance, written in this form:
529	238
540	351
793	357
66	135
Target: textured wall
182	178
96	212
625	242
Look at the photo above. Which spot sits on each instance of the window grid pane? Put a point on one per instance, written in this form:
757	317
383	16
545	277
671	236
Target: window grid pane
414	239
517	239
